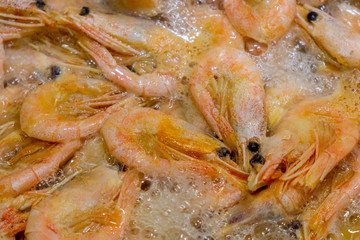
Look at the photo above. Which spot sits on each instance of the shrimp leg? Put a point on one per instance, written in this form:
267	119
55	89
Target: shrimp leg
151	84
347	133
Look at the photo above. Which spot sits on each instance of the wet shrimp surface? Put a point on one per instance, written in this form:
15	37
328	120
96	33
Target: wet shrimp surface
180	119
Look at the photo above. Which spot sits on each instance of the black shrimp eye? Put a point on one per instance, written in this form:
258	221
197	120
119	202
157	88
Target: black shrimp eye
40	4
223	152
84	11
253	147
257	159
312	16
55	71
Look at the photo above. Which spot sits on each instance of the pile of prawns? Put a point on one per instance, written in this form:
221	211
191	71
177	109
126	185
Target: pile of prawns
43	126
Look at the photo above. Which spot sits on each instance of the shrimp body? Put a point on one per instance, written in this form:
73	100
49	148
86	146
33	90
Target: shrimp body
263	21
47	115
93	214
124	34
228	90
337	38
159	140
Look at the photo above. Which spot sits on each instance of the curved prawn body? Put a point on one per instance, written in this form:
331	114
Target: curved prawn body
216	25
349	14
46	162
264	21
160	139
33	162
70	108
337	38
319	224
149	84
312	138
97	212
228	90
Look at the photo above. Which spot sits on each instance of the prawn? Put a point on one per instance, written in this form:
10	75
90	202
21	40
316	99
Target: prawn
337	200
264	21
22	180
150	141
278	201
231	97
311	139
70	108
338	39
94	214
123	34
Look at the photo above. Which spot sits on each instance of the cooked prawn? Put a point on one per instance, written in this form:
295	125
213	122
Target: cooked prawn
279	201
51	111
337	38
160	138
228	90
124	34
312	138
94	214
323	218
24	179
151	84
263	21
